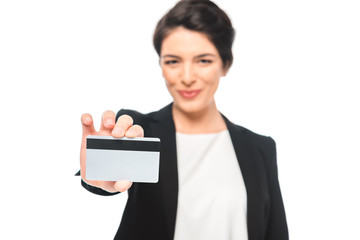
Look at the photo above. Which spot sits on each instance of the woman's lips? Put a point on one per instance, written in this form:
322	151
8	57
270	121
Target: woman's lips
189	94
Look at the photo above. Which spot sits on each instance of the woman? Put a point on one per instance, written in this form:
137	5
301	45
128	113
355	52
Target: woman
217	180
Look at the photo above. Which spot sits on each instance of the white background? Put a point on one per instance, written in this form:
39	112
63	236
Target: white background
295	77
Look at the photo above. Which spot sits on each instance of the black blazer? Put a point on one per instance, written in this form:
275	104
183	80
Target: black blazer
150	212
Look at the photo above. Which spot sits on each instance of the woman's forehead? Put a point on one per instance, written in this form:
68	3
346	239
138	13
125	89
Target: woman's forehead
183	41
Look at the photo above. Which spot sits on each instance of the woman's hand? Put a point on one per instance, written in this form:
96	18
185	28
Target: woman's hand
122	128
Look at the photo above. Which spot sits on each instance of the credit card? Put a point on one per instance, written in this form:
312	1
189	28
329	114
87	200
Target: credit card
114	159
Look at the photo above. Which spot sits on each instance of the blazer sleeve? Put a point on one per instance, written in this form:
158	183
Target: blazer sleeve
93	189
277	226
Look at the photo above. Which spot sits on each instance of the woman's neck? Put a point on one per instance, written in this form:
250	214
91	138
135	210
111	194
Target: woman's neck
208	120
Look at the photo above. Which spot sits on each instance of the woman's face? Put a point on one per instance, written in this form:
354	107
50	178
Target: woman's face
192	68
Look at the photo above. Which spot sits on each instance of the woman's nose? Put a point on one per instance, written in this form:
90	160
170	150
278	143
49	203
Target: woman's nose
188	77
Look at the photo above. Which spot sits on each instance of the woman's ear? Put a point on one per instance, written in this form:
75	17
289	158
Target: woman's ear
225	69
162	72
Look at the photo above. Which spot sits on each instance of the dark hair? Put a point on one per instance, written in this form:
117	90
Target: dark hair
202	16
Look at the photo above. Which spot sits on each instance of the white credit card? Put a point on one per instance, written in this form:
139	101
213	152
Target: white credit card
114	159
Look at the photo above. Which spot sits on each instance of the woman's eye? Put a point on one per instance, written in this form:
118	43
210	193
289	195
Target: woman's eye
205	61
171	62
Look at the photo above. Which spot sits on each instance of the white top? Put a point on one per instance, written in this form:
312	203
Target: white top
212	196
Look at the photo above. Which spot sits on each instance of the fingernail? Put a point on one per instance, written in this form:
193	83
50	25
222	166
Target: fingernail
117	132
109	122
131	132
87	120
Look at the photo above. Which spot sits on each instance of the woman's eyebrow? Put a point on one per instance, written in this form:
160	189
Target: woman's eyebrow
198	56
205	55
170	56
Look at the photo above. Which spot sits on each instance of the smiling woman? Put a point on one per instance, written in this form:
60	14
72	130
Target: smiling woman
192	68
217	180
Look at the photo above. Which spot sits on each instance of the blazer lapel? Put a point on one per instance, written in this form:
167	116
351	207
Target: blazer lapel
168	179
250	171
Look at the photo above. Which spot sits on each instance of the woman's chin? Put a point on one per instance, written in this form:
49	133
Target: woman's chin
189	107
